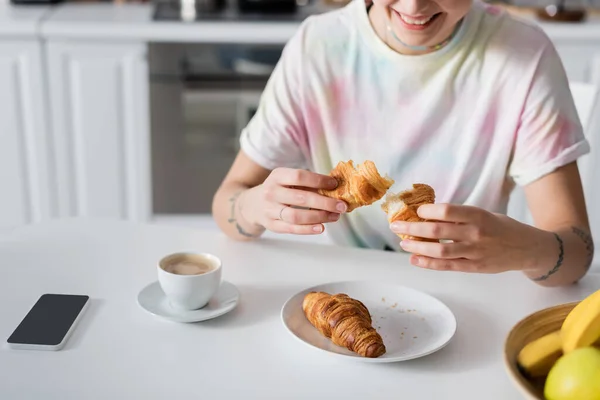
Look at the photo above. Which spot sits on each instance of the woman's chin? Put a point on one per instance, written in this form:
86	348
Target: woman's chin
413	42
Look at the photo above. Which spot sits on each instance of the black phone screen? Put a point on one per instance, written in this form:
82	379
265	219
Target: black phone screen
49	320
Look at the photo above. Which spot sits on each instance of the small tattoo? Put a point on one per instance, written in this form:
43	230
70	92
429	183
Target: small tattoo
233	200
232	220
558	262
589	245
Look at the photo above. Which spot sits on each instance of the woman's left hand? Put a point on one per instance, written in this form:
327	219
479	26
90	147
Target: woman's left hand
481	241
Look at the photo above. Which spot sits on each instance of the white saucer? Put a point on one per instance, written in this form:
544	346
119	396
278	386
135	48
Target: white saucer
153	300
411	323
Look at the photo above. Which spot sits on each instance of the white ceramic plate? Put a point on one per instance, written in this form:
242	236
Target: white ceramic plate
411	323
153	299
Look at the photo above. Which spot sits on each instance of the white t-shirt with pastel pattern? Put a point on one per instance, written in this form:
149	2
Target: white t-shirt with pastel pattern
489	110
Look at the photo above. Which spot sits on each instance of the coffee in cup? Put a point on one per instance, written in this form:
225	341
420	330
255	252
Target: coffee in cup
188	267
189	280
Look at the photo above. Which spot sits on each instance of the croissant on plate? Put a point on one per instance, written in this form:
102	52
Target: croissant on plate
346	321
359	185
403	206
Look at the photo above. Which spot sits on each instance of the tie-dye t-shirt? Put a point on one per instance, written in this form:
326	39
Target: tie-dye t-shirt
490	110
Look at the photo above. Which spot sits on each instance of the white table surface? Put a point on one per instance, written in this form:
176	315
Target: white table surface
121	352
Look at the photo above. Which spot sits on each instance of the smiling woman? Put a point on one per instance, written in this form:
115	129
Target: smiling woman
417	27
454	94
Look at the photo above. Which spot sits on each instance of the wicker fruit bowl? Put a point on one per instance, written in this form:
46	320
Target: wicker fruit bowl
525	331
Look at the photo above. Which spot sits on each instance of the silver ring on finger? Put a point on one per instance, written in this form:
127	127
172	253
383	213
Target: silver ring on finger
281	213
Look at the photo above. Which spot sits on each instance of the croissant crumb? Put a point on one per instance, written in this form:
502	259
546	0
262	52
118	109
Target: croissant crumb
358	186
403	206
346	321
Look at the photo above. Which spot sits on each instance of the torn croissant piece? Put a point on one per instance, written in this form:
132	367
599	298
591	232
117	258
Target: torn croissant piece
346	321
403	206
358	186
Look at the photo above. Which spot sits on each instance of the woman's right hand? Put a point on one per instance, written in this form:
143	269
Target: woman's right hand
273	204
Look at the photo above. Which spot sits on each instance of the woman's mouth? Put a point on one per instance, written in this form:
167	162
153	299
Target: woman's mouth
416	23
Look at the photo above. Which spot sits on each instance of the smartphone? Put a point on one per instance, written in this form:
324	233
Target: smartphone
49	323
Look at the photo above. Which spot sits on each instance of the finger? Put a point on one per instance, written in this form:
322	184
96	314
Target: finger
436	250
302	178
302	217
451	213
285	227
461	264
306	199
433	230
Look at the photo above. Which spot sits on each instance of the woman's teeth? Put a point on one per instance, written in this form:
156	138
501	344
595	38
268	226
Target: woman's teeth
411	21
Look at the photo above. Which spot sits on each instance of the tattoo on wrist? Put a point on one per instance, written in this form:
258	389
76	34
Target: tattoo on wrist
589	245
232	219
559	262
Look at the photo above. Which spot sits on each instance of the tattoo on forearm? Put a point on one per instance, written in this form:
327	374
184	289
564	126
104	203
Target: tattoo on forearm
589	245
233	220
559	262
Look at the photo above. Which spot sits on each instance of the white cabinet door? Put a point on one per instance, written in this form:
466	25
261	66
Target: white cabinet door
24	175
99	106
595	70
575	58
592	179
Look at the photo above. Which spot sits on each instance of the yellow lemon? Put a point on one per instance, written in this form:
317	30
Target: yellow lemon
575	376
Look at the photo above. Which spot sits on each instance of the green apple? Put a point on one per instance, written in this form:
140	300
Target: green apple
575	376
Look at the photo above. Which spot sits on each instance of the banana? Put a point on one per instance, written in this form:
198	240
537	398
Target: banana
581	328
538	356
575	313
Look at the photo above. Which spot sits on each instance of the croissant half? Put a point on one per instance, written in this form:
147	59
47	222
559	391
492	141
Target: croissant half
346	321
358	186
403	206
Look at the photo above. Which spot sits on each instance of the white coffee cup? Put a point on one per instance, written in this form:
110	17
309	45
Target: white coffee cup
189	280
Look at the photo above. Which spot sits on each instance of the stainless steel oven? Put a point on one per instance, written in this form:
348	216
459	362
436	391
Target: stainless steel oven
201	97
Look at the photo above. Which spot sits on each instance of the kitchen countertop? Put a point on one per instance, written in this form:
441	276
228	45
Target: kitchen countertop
134	22
20	21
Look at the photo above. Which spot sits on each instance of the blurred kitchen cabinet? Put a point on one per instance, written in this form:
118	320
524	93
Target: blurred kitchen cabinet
99	109
581	59
575	59
24	175
595	75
